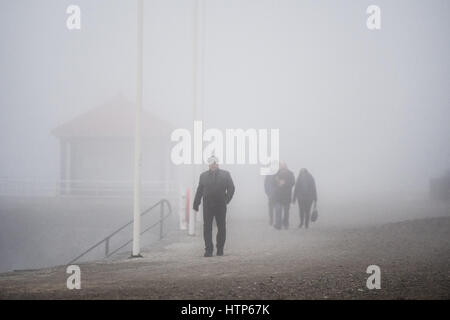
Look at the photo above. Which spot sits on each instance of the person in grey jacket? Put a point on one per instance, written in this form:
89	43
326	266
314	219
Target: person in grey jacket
306	194
216	188
284	181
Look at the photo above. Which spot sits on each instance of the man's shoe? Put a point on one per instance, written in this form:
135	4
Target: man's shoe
300	225
220	252
207	254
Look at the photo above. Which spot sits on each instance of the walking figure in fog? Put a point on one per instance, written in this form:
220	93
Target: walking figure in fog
269	188
305	193
284	180
216	188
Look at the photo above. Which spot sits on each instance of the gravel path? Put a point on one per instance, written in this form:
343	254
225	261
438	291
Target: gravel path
263	263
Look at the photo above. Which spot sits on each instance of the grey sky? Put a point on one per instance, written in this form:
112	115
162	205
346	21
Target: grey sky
364	110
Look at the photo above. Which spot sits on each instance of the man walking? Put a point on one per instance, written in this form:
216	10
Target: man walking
216	188
284	181
305	192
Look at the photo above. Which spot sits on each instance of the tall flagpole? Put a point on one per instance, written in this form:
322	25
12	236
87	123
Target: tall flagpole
198	69
197	101
195	77
137	137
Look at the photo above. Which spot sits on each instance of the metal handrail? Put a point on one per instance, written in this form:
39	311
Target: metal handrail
107	238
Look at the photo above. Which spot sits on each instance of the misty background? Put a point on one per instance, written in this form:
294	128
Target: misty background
366	112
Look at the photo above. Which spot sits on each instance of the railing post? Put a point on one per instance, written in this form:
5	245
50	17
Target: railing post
106	240
106	247
161	221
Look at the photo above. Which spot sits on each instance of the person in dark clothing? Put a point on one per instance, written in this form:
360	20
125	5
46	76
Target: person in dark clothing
284	181
305	193
216	188
269	188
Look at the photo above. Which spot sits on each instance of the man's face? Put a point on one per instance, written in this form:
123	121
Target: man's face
213	166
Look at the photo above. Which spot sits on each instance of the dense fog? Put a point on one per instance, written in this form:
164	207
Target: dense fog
365	111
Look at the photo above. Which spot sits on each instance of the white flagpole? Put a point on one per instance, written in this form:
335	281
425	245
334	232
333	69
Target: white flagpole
197	106
137	140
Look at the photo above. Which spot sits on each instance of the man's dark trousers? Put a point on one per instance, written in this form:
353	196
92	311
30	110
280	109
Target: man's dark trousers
219	213
280	219
271	210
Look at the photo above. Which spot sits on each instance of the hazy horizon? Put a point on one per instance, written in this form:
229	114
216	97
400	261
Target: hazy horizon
365	111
